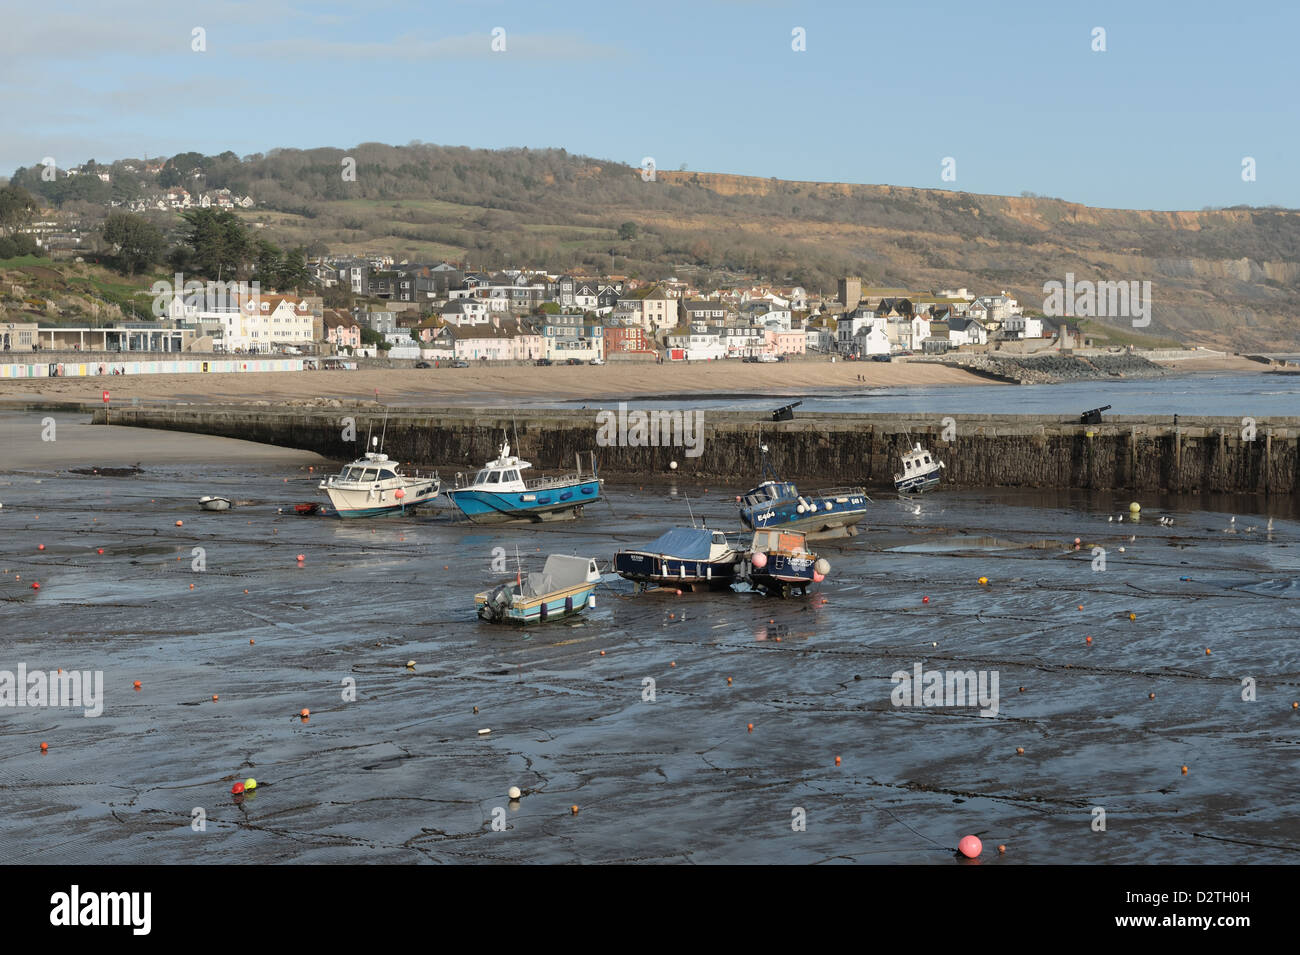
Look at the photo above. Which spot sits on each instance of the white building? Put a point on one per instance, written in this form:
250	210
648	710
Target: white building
253	323
1023	326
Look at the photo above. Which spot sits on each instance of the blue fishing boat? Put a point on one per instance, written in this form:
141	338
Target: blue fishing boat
775	503
780	563
687	558
920	472
565	587
502	492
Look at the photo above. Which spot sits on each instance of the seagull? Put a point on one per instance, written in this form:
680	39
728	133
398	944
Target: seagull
1270	525
1111	519
1132	539
1121	518
917	509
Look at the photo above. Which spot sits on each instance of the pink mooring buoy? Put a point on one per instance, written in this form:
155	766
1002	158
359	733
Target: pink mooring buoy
970	846
759	560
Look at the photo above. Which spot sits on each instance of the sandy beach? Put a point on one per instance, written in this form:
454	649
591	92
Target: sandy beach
453	385
75	443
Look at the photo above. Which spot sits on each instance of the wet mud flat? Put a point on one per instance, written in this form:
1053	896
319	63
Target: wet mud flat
661	771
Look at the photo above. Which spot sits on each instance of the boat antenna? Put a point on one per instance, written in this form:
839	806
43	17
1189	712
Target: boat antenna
688	509
384	433
514	424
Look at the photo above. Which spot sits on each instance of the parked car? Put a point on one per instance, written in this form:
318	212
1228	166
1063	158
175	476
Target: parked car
882	357
749	358
767	357
573	361
596	361
543	361
460	363
422	364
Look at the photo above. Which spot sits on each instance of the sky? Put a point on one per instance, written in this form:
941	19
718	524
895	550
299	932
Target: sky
999	98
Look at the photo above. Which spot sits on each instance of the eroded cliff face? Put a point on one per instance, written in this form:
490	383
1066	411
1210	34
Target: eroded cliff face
1227	278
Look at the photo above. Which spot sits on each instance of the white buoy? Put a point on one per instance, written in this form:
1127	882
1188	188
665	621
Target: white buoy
673	465
513	792
823	566
484	732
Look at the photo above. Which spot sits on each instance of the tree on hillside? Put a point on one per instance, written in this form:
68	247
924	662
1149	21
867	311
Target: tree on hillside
18	245
17	206
267	259
139	243
220	243
337	296
627	231
293	272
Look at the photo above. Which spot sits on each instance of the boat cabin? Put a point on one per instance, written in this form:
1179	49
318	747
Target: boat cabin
791	543
771	491
367	470
916	460
503	474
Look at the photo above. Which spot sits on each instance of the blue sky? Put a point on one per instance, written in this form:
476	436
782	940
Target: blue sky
883	93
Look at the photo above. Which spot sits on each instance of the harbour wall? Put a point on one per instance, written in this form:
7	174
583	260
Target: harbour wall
1198	455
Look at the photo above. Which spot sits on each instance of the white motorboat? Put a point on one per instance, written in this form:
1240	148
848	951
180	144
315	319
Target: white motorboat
373	485
211	502
920	472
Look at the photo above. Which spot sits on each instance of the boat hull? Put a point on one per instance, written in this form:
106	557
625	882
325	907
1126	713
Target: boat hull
823	517
664	571
557	606
564	502
783	575
918	483
365	503
215	504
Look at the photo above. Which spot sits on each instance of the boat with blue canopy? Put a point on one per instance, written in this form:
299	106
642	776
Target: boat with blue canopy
687	558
